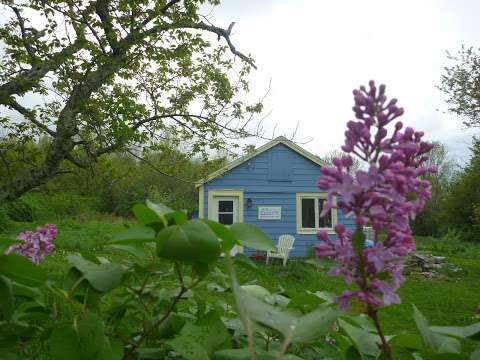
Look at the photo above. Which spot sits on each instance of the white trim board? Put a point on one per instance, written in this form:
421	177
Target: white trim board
279	140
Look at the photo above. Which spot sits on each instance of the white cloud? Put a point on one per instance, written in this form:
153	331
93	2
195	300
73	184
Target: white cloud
316	52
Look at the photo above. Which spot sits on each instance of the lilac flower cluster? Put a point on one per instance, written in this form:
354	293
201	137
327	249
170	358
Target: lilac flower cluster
36	244
388	193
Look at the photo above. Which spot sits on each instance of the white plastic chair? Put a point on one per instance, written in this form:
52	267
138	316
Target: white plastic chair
285	244
369	233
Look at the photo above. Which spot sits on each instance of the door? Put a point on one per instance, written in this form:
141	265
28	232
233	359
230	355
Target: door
226	210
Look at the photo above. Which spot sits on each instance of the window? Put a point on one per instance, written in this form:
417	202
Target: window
309	208
225	212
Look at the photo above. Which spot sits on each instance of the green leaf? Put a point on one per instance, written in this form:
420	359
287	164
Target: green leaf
301	329
160	209
150	353
257	310
256	290
251	236
192	342
448	356
315	324
134	235
26	291
191	242
200	270
232	354
326	296
458	331
242	260
6	354
103	277
437	342
365	342
360	320
83	340
171	326
135	250
305	302
244	354
7	301
177	217
149	217
409	341
20	269
476	354
224	233
217	332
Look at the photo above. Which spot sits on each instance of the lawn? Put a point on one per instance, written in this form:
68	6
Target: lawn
447	299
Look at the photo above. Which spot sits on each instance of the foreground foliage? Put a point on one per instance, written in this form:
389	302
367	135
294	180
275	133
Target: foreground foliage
159	291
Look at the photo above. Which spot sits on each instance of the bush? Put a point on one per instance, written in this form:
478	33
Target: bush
23	210
4	219
50	206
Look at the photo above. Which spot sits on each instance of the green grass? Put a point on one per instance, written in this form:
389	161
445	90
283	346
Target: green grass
448	299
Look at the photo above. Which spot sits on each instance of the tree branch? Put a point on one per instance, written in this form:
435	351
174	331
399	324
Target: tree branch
226	35
28	79
168	6
102	10
157	169
26	42
30	115
76	161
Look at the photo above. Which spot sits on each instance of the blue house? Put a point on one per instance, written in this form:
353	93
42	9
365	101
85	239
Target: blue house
274	188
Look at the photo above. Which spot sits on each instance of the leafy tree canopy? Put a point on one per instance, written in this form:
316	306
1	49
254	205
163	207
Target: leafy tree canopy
461	83
113	73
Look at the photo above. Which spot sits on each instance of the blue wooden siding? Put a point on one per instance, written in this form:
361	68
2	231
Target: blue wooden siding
263	181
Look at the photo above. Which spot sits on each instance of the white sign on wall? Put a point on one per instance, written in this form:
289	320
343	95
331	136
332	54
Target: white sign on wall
270	212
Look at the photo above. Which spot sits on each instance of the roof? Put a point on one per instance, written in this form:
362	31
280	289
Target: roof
279	140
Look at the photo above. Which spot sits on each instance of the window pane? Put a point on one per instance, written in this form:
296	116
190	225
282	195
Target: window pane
226	219
225	206
325	221
308	213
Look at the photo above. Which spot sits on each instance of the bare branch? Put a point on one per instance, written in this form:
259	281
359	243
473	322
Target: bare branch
226	35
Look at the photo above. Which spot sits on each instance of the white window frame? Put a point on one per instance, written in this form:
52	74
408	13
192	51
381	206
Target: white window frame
316	196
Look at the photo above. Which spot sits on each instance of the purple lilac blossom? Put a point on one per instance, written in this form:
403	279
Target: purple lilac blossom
388	193
36	245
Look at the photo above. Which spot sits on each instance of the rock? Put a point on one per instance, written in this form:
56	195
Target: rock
425	263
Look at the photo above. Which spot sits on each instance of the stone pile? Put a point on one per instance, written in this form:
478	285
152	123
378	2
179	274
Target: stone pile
425	263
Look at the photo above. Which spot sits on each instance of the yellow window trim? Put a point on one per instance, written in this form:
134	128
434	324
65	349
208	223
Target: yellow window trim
319	195
227	192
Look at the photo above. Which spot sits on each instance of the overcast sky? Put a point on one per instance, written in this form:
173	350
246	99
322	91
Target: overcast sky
317	51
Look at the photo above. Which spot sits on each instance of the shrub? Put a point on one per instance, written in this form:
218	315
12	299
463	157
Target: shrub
23	210
4	219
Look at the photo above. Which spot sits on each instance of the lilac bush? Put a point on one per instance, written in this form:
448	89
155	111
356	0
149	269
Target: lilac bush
388	193
36	244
